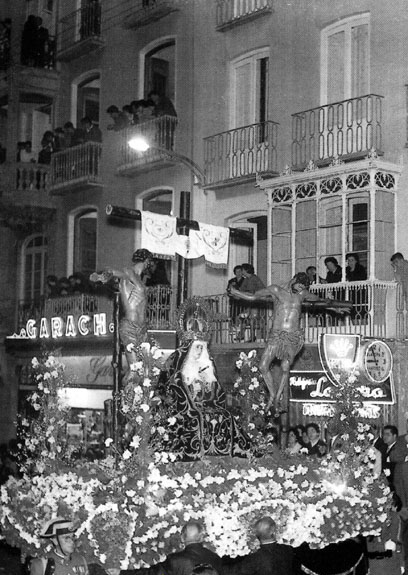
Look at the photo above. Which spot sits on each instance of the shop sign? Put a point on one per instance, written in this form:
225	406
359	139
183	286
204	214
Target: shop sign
314	375
367	411
72	326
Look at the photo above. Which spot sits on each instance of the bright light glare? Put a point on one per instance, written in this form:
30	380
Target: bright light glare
139	144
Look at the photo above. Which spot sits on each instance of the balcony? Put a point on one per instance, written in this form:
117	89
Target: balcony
378	312
80	32
148	11
233	12
159	133
76	167
24	177
347	129
238	155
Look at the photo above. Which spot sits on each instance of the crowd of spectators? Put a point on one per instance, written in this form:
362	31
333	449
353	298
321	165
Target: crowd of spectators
58	140
140	111
75	284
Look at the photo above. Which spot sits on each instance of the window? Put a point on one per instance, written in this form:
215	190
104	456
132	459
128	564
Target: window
250	83
88	99
345	58
85	237
160	70
34	268
358	228
35	118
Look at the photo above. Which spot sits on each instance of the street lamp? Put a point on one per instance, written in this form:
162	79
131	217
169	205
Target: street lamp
140	144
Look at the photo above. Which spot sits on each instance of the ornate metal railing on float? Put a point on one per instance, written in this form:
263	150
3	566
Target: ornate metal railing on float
241	153
378	311
233	12
347	129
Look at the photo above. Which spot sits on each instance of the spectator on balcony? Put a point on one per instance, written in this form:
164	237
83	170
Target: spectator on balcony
90	132
400	267
72	135
156	274
52	286
26	154
41	45
3	154
251	282
47	148
144	111
237	280
163	106
355	272
63	286
59	139
334	271
127	110
250	318
29	41
120	120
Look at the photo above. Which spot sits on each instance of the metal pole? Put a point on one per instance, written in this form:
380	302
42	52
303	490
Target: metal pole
182	263
117	372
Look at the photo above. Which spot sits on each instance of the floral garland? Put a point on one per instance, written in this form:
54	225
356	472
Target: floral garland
42	438
129	521
250	399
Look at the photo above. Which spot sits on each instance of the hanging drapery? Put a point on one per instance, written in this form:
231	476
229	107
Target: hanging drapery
214	242
159	234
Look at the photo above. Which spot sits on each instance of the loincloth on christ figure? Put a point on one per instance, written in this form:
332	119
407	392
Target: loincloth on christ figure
132	332
285	344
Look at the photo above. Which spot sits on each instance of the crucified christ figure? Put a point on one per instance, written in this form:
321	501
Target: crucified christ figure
286	338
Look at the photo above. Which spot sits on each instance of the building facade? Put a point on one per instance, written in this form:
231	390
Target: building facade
295	113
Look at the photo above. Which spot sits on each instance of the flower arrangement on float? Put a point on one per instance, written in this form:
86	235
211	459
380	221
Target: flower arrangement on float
130	515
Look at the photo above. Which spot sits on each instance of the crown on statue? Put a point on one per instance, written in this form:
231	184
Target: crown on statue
194	320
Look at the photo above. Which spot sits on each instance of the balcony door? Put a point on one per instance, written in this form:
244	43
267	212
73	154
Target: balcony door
34	268
85	238
249	89
345	59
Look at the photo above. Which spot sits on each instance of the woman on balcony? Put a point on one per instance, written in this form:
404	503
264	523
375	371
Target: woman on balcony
334	271
355	272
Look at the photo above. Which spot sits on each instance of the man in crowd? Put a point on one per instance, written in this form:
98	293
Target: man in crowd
120	120
270	559
400	267
390	436
90	132
183	562
316	445
62	560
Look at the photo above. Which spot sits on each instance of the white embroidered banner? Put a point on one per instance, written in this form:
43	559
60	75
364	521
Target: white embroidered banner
159	234
215	240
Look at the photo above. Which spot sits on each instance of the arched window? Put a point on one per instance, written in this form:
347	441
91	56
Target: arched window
34	267
84	242
159	66
85	97
159	201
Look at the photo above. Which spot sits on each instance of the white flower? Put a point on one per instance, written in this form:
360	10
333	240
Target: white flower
135	442
40	386
126	454
108	441
172	420
238	363
35	362
147	382
130	347
156	353
144	407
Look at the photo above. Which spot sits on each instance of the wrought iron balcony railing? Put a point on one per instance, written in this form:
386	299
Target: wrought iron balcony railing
75	167
241	153
24	177
80	31
378	310
158	132
233	12
144	12
347	129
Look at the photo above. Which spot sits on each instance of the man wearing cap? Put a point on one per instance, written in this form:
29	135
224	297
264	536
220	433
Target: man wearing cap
62	560
133	295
